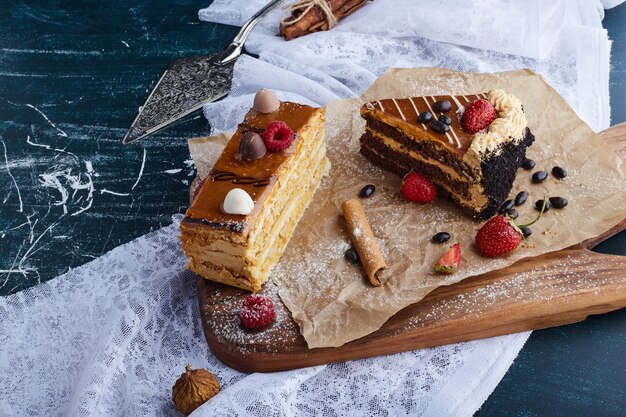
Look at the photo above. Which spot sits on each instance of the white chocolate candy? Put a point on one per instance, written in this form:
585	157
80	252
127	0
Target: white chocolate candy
238	201
265	101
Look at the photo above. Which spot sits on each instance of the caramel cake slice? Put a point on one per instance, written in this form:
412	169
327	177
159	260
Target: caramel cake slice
245	212
473	155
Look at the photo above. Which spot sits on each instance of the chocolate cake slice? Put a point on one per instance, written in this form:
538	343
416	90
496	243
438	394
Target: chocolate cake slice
430	135
240	221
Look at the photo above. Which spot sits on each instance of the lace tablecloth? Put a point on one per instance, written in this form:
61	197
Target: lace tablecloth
110	338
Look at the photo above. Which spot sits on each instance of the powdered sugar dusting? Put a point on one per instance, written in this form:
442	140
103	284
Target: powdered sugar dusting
223	319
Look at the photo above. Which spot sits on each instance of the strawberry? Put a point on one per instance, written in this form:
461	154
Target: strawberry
418	188
257	311
501	235
478	115
449	263
278	136
498	236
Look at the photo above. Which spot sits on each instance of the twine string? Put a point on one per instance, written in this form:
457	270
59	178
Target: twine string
305	6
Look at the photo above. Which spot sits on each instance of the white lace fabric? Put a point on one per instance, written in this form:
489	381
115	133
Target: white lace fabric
563	40
111	337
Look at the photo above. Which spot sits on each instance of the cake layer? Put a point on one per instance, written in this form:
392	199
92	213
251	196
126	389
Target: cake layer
241	250
251	271
296	197
480	199
403	113
438	172
286	225
293	193
477	170
427	148
255	177
464	196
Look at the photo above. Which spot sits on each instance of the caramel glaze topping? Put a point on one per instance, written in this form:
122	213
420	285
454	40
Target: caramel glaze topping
255	177
456	139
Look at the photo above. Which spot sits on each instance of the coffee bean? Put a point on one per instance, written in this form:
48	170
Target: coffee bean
526	231
367	191
445	119
441	237
528	164
539	203
442	106
520	198
559	172
439	127
558	202
352	256
425	117
512	213
539	176
507	205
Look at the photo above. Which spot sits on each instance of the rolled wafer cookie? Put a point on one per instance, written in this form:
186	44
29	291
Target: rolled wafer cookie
364	240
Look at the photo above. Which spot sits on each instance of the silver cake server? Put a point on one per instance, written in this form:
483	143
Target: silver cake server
189	83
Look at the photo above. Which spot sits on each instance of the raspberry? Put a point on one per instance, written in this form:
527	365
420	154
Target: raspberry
478	115
418	188
278	136
257	311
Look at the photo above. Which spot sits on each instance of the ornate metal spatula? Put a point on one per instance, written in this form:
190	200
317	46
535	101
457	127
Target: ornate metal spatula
189	83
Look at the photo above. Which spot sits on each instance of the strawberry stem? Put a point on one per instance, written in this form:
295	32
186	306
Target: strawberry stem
543	207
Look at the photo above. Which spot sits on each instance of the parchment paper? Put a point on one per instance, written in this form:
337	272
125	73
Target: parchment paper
333	302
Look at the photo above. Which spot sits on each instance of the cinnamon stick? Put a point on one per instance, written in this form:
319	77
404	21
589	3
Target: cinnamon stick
364	240
315	19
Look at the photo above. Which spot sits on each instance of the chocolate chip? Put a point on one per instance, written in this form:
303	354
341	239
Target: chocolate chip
512	213
526	231
367	191
559	172
507	205
441	237
251	146
425	117
558	202
528	164
439	127
442	106
539	203
352	256
521	198
539	176
445	119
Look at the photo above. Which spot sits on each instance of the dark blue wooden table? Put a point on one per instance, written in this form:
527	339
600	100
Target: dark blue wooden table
72	75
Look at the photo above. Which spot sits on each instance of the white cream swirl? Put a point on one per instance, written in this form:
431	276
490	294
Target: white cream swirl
510	125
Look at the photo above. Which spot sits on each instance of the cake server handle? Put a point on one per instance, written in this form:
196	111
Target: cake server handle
236	46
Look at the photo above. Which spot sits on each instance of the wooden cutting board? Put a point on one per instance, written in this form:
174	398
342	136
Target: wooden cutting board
550	290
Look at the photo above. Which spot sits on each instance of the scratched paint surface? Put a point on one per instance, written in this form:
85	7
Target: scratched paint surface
71	80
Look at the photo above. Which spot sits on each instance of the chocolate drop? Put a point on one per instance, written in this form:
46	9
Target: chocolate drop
251	146
265	101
